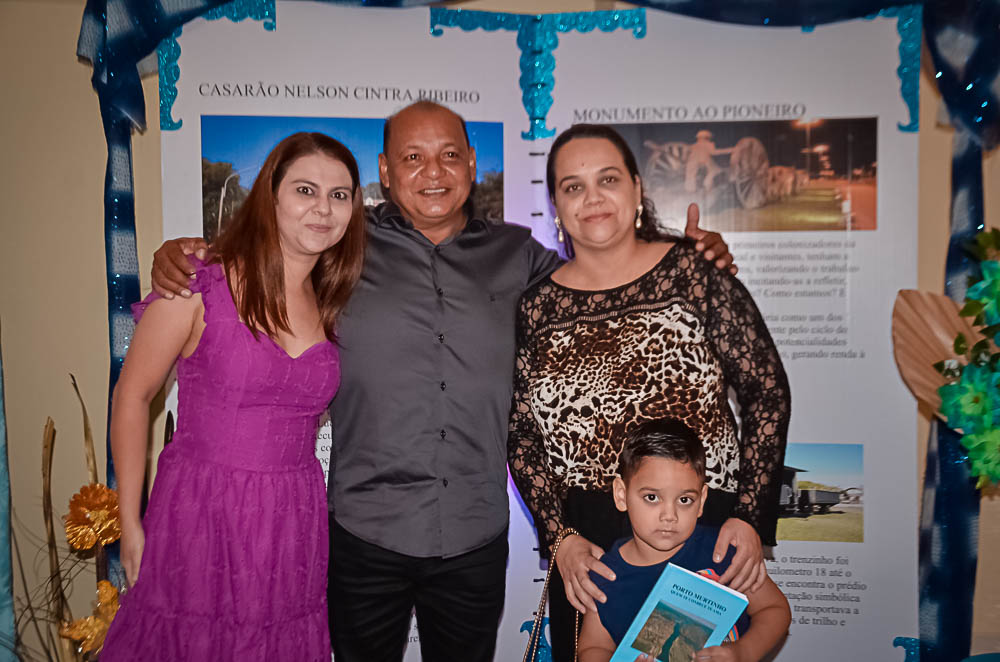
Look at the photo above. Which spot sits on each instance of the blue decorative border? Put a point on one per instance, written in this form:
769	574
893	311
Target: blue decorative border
910	646
537	37
909	22
169	50
237	10
167	54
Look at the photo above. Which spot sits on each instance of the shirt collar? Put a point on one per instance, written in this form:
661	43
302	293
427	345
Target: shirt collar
388	214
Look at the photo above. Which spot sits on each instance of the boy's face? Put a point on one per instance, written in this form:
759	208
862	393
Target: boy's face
664	499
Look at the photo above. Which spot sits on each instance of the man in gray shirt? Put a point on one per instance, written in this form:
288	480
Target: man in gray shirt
417	483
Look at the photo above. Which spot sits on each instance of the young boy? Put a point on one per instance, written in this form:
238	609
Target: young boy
661	484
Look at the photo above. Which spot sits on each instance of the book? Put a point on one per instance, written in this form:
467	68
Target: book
684	612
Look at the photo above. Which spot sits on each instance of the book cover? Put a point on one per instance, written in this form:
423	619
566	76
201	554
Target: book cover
684	612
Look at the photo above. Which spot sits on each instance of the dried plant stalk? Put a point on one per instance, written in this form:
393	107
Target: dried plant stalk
58	605
88	437
100	558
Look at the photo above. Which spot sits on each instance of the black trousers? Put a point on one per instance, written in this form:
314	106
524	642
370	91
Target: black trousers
597	519
373	592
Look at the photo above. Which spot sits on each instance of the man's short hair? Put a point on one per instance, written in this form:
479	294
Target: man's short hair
667	438
421	105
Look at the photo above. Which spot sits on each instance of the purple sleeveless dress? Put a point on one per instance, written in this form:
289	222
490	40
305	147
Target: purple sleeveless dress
235	561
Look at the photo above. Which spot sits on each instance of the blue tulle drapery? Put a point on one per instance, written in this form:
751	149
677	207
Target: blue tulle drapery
964	44
773	12
963	38
8	630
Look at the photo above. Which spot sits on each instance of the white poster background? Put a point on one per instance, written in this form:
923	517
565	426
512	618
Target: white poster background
846	70
841	71
368	51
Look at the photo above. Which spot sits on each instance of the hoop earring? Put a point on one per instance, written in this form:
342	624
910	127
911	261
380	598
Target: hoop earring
559	230
638	217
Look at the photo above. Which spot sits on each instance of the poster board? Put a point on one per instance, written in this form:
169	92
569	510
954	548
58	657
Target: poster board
805	172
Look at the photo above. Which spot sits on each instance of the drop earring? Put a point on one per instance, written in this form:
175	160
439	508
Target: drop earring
559	230
638	217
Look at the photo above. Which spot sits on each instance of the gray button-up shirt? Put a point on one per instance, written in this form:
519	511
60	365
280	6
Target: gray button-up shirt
418	461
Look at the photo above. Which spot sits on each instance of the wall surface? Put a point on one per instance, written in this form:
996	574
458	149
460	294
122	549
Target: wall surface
53	293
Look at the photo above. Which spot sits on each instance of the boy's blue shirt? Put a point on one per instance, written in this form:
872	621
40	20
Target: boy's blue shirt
633	583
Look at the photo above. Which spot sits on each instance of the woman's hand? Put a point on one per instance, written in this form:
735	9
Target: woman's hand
577	556
747	571
171	268
133	542
711	244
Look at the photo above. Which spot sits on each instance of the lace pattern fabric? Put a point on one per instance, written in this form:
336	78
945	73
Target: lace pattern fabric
593	365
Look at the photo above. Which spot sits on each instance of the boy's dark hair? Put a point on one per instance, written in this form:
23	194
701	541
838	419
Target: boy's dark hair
667	438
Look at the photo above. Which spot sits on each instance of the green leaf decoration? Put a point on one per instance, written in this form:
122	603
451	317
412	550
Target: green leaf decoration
950	368
977	248
984	455
986	291
961	344
970	402
980	352
971	308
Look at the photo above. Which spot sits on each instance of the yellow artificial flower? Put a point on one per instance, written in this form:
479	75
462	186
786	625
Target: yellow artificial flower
89	632
93	517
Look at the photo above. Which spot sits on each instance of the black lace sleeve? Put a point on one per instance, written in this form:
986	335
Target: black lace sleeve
753	369
526	455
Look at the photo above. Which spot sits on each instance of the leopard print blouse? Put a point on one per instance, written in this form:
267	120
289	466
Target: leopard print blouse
592	365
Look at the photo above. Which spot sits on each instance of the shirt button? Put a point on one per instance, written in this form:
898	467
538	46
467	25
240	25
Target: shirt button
443	386
443	434
440	292
440	337
445	482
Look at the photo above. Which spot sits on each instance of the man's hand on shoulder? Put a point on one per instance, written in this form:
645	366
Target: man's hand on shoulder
172	270
710	244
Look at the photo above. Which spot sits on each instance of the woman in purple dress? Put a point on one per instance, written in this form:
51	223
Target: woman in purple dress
229	562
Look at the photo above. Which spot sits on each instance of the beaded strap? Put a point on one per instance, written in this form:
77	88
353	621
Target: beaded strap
532	650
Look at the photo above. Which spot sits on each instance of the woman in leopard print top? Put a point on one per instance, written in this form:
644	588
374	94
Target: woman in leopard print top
636	327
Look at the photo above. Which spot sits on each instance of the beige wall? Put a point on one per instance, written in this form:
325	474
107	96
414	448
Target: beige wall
53	296
52	292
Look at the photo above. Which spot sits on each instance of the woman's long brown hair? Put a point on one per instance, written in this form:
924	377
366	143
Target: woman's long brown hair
250	247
